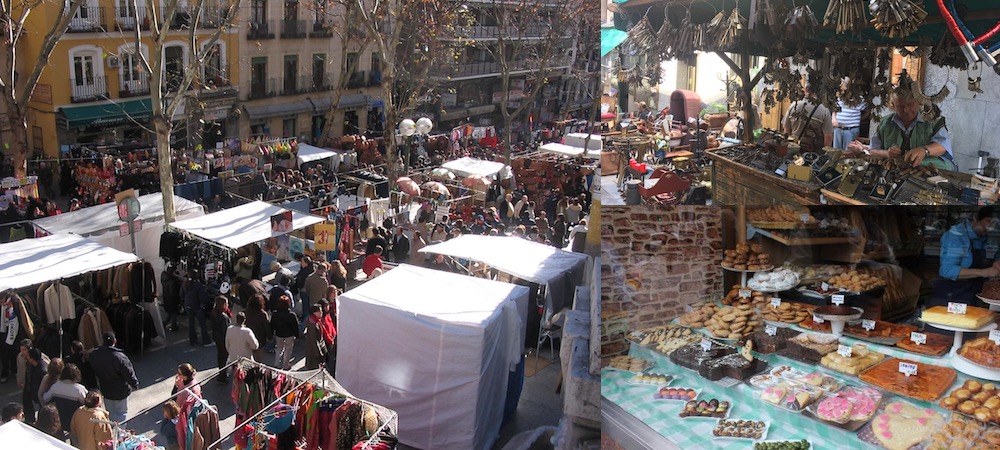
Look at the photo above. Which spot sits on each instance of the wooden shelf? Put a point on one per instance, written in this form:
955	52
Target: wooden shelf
797	241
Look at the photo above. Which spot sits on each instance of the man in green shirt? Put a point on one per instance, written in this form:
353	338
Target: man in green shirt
906	133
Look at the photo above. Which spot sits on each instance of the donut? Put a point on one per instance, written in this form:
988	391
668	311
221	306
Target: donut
834	409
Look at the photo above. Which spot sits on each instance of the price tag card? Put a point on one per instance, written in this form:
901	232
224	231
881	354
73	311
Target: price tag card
771	330
918	338
956	308
804	217
868	324
995	336
907	369
775	302
706	345
817	319
844	350
824	286
745	293
838	299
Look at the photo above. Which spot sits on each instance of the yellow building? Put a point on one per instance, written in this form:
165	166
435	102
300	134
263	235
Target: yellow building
94	91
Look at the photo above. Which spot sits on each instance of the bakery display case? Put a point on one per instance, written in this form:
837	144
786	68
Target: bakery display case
814	327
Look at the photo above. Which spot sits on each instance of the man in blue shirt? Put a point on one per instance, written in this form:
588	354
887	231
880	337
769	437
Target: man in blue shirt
964	263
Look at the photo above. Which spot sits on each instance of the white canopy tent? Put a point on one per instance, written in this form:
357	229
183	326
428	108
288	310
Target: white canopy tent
17	434
308	153
560	271
242	225
34	261
437	348
595	142
466	167
568	150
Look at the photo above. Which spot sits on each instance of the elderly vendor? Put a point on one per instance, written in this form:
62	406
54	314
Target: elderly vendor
905	133
965	264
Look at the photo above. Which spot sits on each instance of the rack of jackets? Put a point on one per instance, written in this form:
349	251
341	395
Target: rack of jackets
197	425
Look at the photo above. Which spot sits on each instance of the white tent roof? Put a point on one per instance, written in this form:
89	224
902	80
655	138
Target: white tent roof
308	153
466	166
33	261
537	263
567	150
101	218
242	225
580	139
17	434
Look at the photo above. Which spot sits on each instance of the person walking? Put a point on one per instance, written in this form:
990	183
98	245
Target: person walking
559	231
315	344
89	428
80	357
52	374
171	296
36	371
315	288
168	426
400	247
329	328
240	340
285	325
49	423
221	318
185	386
306	268
195	300
417	258
67	394
337	276
23	372
115	376
258	320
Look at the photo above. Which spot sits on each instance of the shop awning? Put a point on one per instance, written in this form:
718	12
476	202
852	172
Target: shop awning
104	217
467	167
34	261
106	114
278	109
353	101
242	225
611	38
569	150
308	153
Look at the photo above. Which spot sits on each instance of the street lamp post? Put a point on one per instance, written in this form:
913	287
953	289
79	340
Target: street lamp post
408	128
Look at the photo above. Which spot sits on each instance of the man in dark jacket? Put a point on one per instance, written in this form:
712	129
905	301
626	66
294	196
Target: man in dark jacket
171	297
37	367
198	303
115	375
305	269
400	246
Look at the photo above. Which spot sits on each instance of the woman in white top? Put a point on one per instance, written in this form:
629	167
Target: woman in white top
68	386
240	340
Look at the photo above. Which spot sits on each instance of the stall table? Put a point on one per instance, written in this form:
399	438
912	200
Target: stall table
736	184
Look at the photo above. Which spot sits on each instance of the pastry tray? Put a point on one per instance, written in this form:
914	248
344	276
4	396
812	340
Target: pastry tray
851	425
888	341
763	435
816	397
682	401
893	364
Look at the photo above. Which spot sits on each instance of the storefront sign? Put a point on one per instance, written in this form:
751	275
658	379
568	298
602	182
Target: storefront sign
326	237
956	308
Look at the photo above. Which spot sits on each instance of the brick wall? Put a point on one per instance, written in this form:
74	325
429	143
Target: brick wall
670	254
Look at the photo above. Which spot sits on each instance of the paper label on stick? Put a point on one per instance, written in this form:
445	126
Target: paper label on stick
706	345
838	299
771	330
907	369
824	286
956	308
995	336
745	293
868	324
775	302
804	217
918	338
844	350
817	319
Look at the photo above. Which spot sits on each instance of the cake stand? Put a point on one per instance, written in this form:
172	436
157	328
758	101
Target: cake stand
960	332
838	321
970	368
743	273
994	304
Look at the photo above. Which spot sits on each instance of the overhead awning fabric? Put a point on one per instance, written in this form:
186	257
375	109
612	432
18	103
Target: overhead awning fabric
466	167
242	225
106	114
278	109
28	262
569	150
308	153
104	217
537	263
611	38
17	434
353	101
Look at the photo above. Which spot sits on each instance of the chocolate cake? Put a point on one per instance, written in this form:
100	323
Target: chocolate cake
765	343
733	366
693	357
809	348
835	310
991	290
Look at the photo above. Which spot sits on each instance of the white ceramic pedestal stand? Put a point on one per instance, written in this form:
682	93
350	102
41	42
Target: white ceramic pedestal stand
994	304
960	333
970	368
838	321
743	273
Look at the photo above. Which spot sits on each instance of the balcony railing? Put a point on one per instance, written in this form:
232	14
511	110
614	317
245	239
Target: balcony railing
262	89
216	77
94	88
180	20
125	21
312	83
87	20
135	87
483	68
320	29
358	79
508	32
289	85
263	29
292	29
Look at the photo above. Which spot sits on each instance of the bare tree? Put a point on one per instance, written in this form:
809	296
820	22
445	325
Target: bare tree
17	89
167	89
412	37
530	40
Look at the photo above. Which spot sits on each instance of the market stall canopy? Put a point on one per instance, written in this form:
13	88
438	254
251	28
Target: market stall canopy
242	225
437	348
466	166
408	186
982	15
611	38
537	263
34	261
103	218
17	434
568	150
308	153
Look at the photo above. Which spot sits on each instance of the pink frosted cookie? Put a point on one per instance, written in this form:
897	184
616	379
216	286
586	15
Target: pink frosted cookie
834	409
862	405
773	394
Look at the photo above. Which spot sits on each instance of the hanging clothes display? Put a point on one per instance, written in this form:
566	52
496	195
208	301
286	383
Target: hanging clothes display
198	425
58	301
94	322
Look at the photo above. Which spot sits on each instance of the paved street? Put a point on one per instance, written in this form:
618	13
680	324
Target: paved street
539	405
